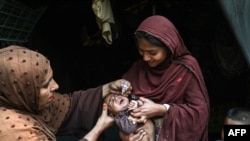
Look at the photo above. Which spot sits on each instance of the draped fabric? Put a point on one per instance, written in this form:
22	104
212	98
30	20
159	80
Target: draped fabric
22	74
179	84
104	17
85	108
237	13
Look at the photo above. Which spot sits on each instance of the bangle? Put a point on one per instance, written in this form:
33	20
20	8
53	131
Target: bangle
167	106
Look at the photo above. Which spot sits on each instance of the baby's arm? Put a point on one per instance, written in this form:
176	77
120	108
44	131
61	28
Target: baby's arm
125	123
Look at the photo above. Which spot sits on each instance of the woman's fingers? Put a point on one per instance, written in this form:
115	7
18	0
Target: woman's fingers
105	120
120	86
137	136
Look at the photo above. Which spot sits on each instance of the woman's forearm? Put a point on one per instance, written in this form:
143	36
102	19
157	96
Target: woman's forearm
93	134
103	122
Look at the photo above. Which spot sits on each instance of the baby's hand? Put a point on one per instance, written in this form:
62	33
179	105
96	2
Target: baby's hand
132	104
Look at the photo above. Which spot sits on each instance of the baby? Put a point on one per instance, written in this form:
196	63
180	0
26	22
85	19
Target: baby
236	116
119	107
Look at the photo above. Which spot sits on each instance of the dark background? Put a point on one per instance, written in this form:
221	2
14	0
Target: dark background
67	33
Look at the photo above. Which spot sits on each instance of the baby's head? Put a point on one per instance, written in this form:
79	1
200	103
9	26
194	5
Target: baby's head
237	116
116	103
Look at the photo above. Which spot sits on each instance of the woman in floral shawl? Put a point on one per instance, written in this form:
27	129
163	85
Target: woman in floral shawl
31	110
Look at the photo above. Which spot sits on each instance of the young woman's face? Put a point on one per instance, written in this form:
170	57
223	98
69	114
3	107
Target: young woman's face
46	92
152	54
116	103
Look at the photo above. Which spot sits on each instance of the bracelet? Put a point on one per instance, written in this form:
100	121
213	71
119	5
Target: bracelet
167	106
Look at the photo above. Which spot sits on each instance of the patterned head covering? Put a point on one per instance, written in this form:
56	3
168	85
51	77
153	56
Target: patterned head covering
22	74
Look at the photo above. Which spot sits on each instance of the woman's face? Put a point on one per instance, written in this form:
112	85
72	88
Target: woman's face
116	103
46	92
152	54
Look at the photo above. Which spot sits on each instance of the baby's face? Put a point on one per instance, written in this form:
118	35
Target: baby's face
116	103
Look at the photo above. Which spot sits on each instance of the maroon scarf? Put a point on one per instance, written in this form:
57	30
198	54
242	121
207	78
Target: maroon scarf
179	84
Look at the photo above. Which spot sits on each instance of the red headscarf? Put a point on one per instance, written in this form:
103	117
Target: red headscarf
179	84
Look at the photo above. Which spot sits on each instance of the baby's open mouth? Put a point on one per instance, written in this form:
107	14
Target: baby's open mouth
121	101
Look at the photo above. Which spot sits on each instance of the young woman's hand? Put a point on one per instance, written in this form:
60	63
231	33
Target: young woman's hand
148	110
134	136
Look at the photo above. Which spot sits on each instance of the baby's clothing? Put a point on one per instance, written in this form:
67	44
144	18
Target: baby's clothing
125	124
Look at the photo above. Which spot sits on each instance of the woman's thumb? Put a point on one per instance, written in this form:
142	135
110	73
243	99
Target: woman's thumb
143	99
104	108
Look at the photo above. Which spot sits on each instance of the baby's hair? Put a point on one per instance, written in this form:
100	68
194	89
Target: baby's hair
241	114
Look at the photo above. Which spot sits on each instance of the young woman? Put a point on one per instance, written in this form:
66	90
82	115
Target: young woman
170	83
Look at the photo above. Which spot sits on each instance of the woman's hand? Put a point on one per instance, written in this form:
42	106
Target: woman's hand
148	110
120	86
134	136
103	122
